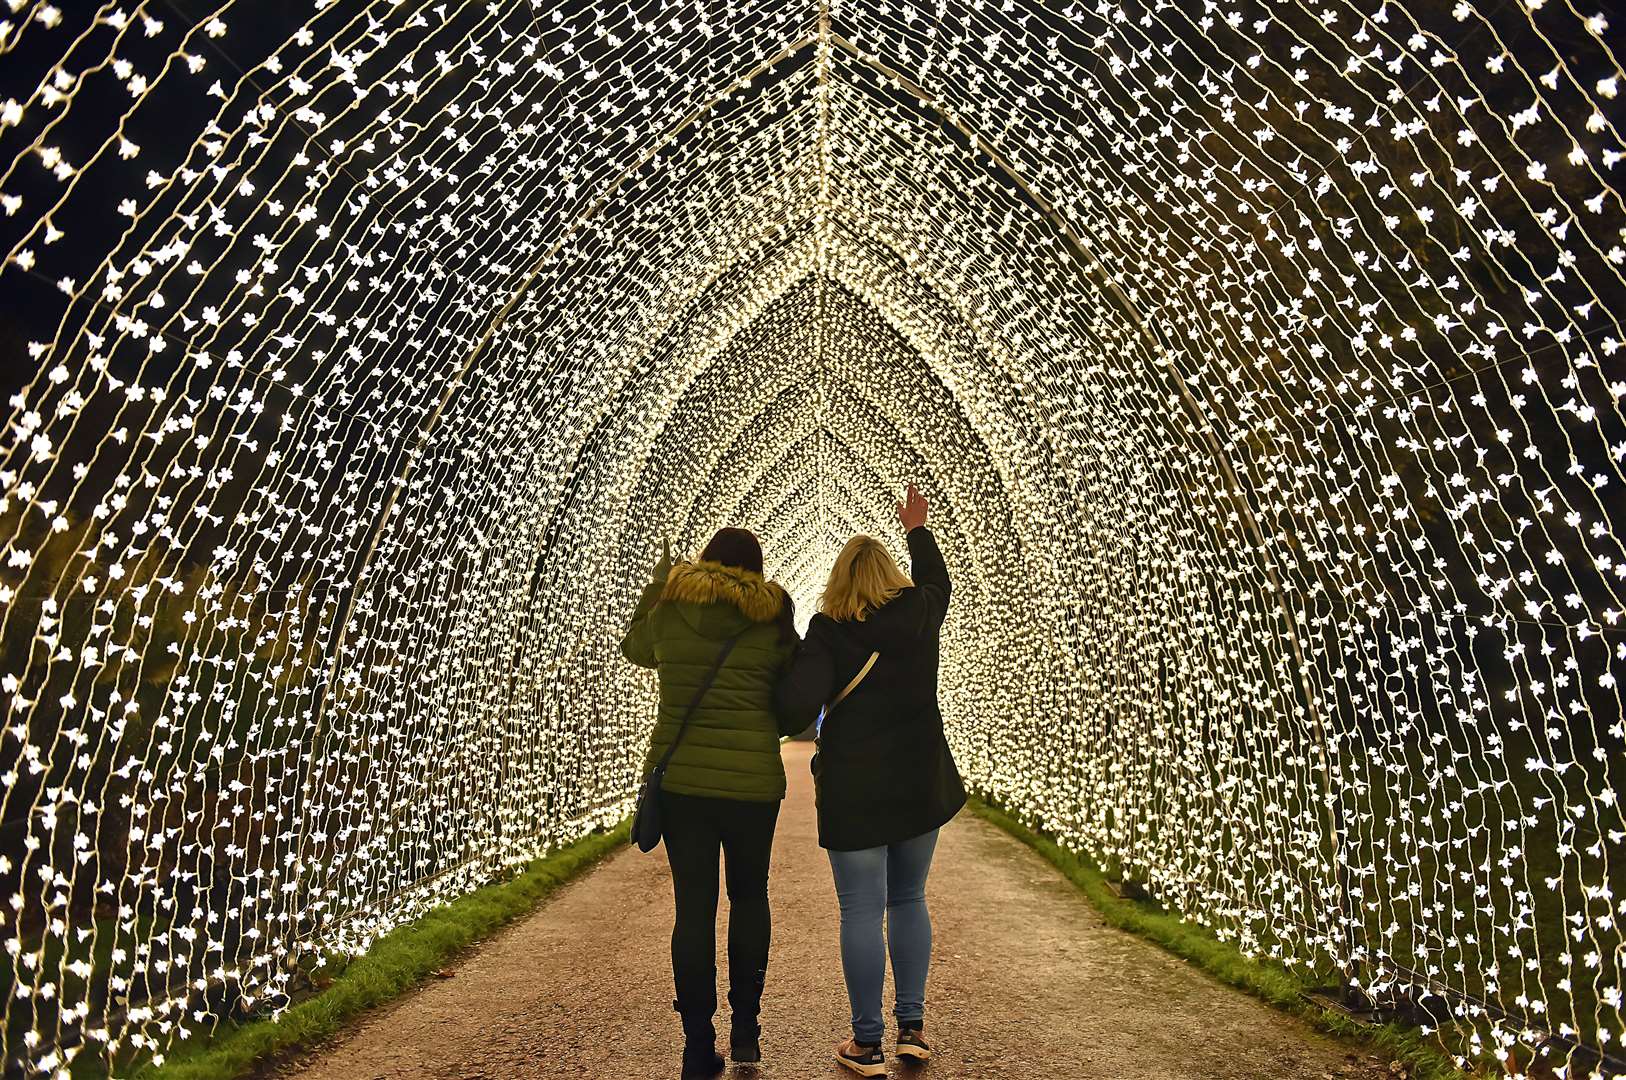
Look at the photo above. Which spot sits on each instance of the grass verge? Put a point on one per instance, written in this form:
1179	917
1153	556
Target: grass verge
396	963
1265	980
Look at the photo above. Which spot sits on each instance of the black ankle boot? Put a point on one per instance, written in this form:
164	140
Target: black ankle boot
745	1042
745	1034
701	1061
700	1057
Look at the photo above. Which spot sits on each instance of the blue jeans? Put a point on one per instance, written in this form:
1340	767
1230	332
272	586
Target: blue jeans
889	881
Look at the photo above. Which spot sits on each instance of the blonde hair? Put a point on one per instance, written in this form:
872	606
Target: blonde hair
863	578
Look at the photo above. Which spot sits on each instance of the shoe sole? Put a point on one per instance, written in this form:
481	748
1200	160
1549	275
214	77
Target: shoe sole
860	1068
918	1053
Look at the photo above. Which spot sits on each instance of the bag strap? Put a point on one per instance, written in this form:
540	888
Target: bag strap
850	687
716	666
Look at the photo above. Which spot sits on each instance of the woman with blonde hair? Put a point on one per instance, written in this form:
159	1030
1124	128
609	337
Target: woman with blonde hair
884	778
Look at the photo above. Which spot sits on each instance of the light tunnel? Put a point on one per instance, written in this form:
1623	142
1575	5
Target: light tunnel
1261	362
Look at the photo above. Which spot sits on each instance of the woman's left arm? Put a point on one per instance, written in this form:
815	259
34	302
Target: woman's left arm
930	573
805	686
638	644
926	565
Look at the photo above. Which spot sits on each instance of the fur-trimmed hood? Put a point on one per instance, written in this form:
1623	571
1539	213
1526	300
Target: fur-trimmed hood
706	582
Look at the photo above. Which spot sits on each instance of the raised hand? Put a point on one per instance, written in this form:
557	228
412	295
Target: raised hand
663	567
912	510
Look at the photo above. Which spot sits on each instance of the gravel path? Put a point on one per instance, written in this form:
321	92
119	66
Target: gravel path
1027	981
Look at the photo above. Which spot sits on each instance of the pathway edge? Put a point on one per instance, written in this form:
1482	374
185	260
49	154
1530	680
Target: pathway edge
1270	983
397	964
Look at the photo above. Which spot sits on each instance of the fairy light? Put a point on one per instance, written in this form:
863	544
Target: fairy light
1261	362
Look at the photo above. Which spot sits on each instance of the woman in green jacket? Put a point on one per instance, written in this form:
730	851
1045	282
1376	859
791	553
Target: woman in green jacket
725	781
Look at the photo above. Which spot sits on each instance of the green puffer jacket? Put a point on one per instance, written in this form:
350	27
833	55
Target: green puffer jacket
731	750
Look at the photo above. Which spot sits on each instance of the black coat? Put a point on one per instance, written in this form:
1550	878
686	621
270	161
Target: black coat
884	772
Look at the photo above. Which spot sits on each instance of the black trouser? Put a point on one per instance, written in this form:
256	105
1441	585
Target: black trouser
693	828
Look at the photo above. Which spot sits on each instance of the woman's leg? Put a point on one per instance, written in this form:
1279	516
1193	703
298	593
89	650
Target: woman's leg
692	845
908	926
747	831
861	889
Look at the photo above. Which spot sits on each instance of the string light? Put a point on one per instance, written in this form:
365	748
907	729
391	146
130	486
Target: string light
1260	360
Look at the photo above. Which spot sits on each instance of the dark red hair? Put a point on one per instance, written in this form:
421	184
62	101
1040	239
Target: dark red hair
741	549
735	547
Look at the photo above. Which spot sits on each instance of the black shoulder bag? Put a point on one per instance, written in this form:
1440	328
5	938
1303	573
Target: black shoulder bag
646	819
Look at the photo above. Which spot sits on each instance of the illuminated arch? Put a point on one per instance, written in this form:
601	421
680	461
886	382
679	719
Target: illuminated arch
1263	366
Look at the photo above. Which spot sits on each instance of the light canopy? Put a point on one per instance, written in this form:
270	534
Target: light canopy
1260	360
